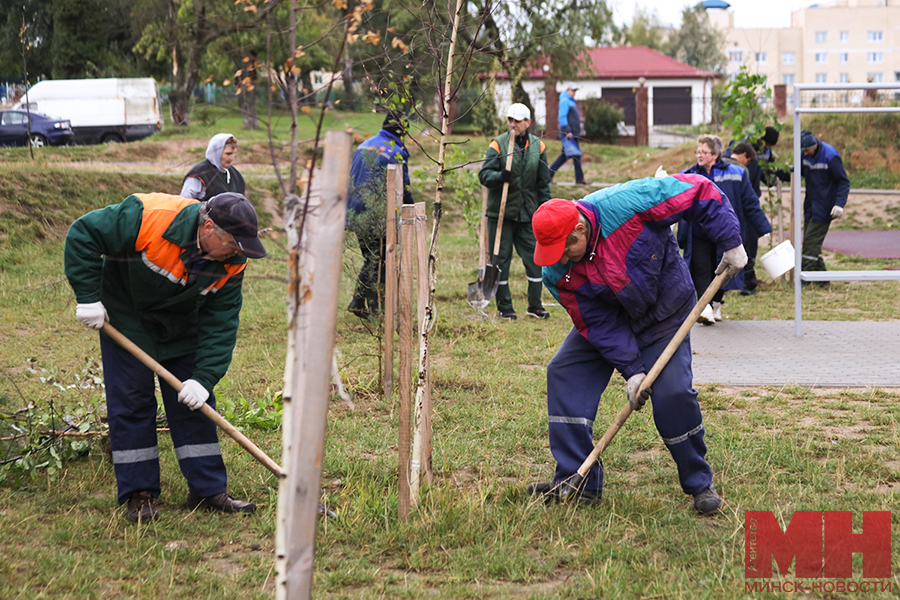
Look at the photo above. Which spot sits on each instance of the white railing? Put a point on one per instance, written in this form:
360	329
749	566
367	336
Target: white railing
801	276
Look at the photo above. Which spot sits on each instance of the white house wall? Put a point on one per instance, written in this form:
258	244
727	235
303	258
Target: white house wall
535	90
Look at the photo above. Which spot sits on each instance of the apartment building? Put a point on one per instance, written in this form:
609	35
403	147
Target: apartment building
843	41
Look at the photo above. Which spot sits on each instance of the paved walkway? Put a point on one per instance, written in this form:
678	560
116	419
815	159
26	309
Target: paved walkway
830	353
868	244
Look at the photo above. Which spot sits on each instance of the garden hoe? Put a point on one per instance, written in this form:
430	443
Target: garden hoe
206	409
573	483
482	290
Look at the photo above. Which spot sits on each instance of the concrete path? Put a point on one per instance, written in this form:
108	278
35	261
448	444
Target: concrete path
867	244
830	353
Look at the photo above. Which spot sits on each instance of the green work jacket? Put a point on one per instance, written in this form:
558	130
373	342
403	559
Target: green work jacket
134	257
529	184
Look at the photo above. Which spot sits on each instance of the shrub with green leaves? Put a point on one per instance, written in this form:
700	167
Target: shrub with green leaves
601	120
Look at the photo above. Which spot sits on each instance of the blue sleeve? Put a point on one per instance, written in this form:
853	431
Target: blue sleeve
836	167
753	212
563	115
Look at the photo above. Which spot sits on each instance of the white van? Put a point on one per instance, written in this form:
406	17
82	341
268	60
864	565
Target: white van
100	110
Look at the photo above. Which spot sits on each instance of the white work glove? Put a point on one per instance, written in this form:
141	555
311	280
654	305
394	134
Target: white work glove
733	260
92	314
660	173
193	394
631	390
837	212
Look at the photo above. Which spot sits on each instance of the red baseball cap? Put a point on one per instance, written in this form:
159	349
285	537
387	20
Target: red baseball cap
552	223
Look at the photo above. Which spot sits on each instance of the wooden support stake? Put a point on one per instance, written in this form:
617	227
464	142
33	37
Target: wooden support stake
405	313
778	194
421	453
314	275
394	172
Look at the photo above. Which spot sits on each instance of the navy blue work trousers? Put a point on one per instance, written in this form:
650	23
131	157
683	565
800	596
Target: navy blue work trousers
131	410
577	377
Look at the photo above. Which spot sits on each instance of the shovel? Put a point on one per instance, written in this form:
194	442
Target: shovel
573	483
476	295
482	290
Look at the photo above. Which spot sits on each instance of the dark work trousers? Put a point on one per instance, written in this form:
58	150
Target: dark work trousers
813	238
131	409
577	377
521	236
703	266
751	245
562	158
371	276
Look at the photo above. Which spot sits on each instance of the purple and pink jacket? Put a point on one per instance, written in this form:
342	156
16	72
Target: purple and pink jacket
632	288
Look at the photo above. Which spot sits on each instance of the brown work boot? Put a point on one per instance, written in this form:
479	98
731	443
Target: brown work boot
220	502
141	507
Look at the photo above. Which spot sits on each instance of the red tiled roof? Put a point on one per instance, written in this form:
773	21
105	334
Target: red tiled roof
630	62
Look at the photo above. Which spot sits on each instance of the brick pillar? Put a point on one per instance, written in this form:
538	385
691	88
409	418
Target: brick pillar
551	101
641	116
780	101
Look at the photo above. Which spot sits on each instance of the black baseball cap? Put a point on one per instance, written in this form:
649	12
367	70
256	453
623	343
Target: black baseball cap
234	213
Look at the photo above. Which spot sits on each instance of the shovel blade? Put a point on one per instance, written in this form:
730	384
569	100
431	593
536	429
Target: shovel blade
485	288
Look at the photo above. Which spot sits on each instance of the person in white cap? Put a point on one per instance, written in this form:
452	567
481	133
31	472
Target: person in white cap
529	187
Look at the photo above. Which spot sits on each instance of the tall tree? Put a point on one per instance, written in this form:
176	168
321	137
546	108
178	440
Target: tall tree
180	32
79	38
646	30
27	28
698	43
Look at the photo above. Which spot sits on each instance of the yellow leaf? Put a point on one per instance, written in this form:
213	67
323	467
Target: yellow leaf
390	30
295	70
372	37
305	109
250	8
245	81
226	83
237	92
238	2
207	80
250	88
340	4
237	74
299	53
351	38
246	59
398	43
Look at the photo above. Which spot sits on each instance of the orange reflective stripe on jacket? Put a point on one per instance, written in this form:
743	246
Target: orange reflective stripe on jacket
159	254
496	146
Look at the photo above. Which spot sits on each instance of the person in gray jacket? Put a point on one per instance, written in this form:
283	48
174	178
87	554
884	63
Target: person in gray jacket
216	174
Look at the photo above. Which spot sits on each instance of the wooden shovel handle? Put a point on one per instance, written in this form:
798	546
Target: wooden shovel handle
654	372
509	157
206	409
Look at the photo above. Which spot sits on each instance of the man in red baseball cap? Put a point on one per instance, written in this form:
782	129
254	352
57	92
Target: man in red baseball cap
612	261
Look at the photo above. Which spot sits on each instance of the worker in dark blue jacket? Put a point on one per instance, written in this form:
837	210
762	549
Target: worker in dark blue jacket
700	251
366	206
827	188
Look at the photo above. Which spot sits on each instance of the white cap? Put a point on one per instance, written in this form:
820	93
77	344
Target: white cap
518	111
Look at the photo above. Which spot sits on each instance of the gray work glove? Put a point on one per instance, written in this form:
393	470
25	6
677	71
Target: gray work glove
631	390
733	260
837	212
193	394
92	314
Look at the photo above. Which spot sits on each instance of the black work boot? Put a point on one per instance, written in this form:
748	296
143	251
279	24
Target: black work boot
707	502
358	307
141	507
220	502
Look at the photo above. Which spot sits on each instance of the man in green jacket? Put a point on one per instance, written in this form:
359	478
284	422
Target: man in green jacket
529	187
166	272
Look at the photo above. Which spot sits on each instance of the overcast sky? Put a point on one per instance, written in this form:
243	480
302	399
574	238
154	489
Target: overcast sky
747	13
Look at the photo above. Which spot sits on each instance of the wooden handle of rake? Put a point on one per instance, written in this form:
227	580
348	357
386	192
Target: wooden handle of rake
658	366
206	409
504	194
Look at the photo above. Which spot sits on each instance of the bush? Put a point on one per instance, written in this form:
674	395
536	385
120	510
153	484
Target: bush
601	120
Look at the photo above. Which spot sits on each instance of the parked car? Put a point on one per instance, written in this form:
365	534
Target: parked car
44	130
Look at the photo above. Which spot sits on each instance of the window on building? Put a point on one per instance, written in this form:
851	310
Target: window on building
821	58
761	58
875	77
821	37
317	79
874	58
845	37
787	79
736	56
845	58
874	37
787	58
845	78
821	78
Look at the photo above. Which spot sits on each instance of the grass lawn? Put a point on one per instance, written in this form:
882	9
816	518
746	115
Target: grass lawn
476	533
